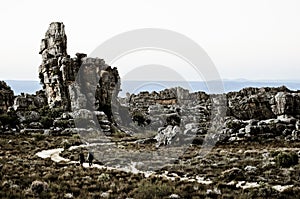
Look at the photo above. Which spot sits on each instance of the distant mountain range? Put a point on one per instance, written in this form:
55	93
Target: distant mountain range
28	86
229	85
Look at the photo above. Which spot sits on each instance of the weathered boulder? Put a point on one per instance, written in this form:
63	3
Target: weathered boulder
32	116
35	125
165	135
295	135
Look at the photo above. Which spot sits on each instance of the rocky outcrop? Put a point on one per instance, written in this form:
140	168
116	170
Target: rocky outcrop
76	83
8	117
24	102
57	70
172	113
6	97
262	113
263	103
287	103
251	113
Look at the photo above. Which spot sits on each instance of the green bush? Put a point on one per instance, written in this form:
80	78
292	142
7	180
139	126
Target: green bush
52	113
56	112
39	137
286	159
46	121
63	124
6	119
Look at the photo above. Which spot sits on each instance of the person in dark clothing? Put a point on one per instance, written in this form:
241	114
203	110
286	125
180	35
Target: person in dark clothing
90	158
81	158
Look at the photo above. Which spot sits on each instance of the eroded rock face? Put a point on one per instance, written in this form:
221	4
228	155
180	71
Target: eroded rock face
96	86
263	103
6	97
287	103
57	70
262	113
79	84
75	83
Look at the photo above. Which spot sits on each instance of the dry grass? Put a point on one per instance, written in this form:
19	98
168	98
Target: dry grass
20	167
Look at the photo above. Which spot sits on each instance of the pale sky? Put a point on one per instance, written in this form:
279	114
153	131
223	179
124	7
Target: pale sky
255	39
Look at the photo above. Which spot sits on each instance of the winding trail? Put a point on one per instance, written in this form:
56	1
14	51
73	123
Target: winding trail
54	154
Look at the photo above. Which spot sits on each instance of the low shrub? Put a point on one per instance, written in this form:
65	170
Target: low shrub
46	121
149	190
286	159
11	120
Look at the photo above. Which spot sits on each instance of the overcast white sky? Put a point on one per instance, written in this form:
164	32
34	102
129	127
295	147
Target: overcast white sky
255	39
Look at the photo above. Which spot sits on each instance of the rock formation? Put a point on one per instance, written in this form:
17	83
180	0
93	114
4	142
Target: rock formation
75	83
263	103
6	97
26	101
251	113
171	112
57	70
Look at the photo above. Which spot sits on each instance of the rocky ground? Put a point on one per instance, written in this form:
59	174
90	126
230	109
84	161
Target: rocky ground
236	170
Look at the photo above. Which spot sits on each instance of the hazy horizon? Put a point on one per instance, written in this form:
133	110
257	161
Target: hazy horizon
256	40
31	86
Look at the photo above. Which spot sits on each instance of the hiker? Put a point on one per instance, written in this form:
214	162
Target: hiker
81	158
90	158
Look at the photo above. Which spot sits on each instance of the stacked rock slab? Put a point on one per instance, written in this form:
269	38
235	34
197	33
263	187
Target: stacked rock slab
6	97
75	83
55	65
